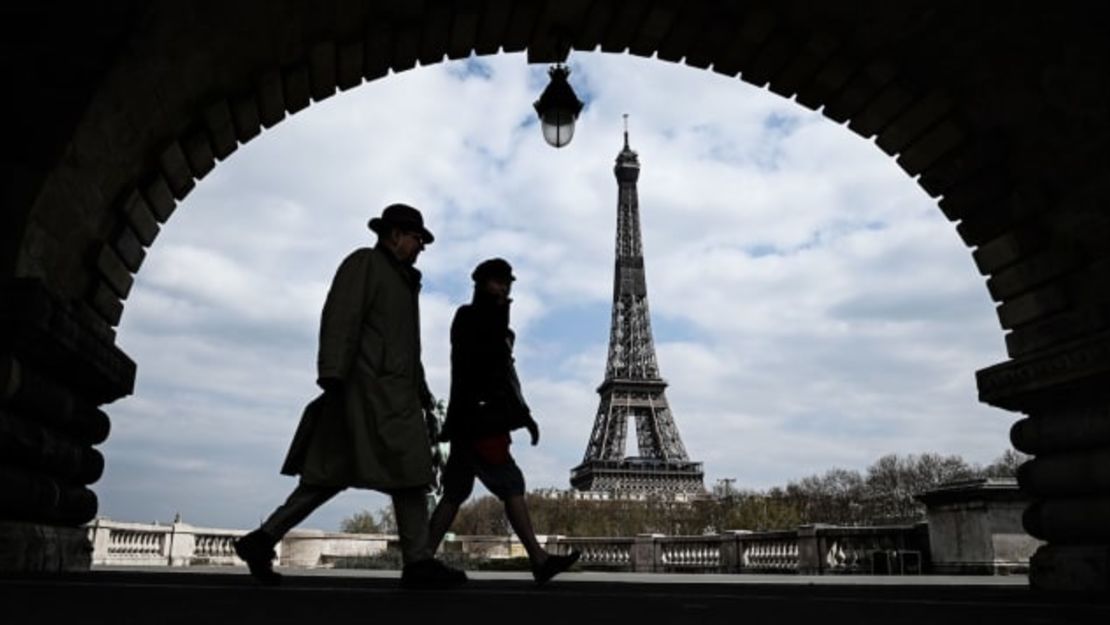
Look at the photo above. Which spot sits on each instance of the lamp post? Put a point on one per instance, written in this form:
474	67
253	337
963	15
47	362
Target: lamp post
558	108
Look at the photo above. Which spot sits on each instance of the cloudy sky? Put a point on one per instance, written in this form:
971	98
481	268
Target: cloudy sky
811	306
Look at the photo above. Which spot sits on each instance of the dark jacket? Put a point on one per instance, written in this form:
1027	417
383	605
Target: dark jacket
371	434
485	391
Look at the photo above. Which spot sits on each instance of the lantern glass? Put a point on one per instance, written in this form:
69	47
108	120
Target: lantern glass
558	127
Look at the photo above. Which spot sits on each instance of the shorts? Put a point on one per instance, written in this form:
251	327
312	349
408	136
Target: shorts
503	479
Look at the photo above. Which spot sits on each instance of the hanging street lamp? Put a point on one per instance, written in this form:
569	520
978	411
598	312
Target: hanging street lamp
558	107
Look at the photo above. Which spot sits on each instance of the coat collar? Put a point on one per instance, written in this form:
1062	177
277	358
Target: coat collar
410	274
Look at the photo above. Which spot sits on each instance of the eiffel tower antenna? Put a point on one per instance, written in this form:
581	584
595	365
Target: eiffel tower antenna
633	389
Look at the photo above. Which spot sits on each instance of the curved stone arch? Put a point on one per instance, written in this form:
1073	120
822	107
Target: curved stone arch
930	84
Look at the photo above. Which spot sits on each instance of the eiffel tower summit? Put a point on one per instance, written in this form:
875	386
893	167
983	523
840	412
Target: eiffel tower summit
633	388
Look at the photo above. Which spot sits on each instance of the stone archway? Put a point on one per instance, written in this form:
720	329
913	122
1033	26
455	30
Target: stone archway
999	116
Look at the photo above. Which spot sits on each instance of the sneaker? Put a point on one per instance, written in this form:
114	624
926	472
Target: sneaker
431	573
554	565
257	550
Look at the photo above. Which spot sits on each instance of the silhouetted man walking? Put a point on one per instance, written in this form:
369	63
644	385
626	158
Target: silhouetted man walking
368	429
486	404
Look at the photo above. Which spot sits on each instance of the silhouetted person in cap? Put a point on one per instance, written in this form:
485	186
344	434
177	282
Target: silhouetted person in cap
369	427
486	404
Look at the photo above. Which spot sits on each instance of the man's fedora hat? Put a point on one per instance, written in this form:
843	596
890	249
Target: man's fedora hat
402	217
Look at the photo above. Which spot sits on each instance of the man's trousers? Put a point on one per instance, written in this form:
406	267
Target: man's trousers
410	508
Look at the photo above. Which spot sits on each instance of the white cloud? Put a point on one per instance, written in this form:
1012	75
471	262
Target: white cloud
811	306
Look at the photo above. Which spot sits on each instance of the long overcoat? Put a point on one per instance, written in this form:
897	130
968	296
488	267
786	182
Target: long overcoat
373	435
486	397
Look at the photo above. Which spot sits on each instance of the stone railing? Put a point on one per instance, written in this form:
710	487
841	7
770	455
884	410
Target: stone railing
763	552
599	553
809	549
181	544
893	550
817	549
178	544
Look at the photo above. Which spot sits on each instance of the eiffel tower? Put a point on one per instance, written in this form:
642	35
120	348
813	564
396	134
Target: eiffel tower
632	388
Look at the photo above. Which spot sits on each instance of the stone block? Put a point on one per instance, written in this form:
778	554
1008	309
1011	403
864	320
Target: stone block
378	50
182	545
113	270
646	554
860	89
1026	275
1052	331
1049	379
106	303
926	149
159	198
522	22
801	69
437	23
881	110
772	58
50	334
975	527
198	152
970	196
295	82
1071	569
653	28
33	496
912	123
1031	306
314	548
683	30
245	116
140	217
131	251
1007	249
27	391
495	19
832	76
1068	473
986	224
754	49
271	98
221	129
36	548
349	65
1057	430
175	169
27	444
464	32
1070	520
406	47
322	65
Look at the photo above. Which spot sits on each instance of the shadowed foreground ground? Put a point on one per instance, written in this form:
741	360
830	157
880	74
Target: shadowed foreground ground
222	595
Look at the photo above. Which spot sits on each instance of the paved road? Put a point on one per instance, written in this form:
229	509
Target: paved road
202	596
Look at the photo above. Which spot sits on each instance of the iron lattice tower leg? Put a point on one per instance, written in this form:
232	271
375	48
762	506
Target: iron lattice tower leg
633	390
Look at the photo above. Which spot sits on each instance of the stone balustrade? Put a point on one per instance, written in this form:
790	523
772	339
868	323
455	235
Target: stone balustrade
599	553
810	549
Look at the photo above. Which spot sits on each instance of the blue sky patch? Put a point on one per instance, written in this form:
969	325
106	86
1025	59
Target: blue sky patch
471	68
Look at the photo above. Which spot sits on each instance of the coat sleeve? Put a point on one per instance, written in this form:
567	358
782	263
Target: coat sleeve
463	386
341	320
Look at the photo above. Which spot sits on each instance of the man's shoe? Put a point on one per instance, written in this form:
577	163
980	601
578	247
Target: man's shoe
257	550
431	573
554	565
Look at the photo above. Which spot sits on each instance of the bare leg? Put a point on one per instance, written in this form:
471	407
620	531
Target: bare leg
442	517
517	511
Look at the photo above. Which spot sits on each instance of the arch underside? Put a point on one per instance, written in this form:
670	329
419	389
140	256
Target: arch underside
999	113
